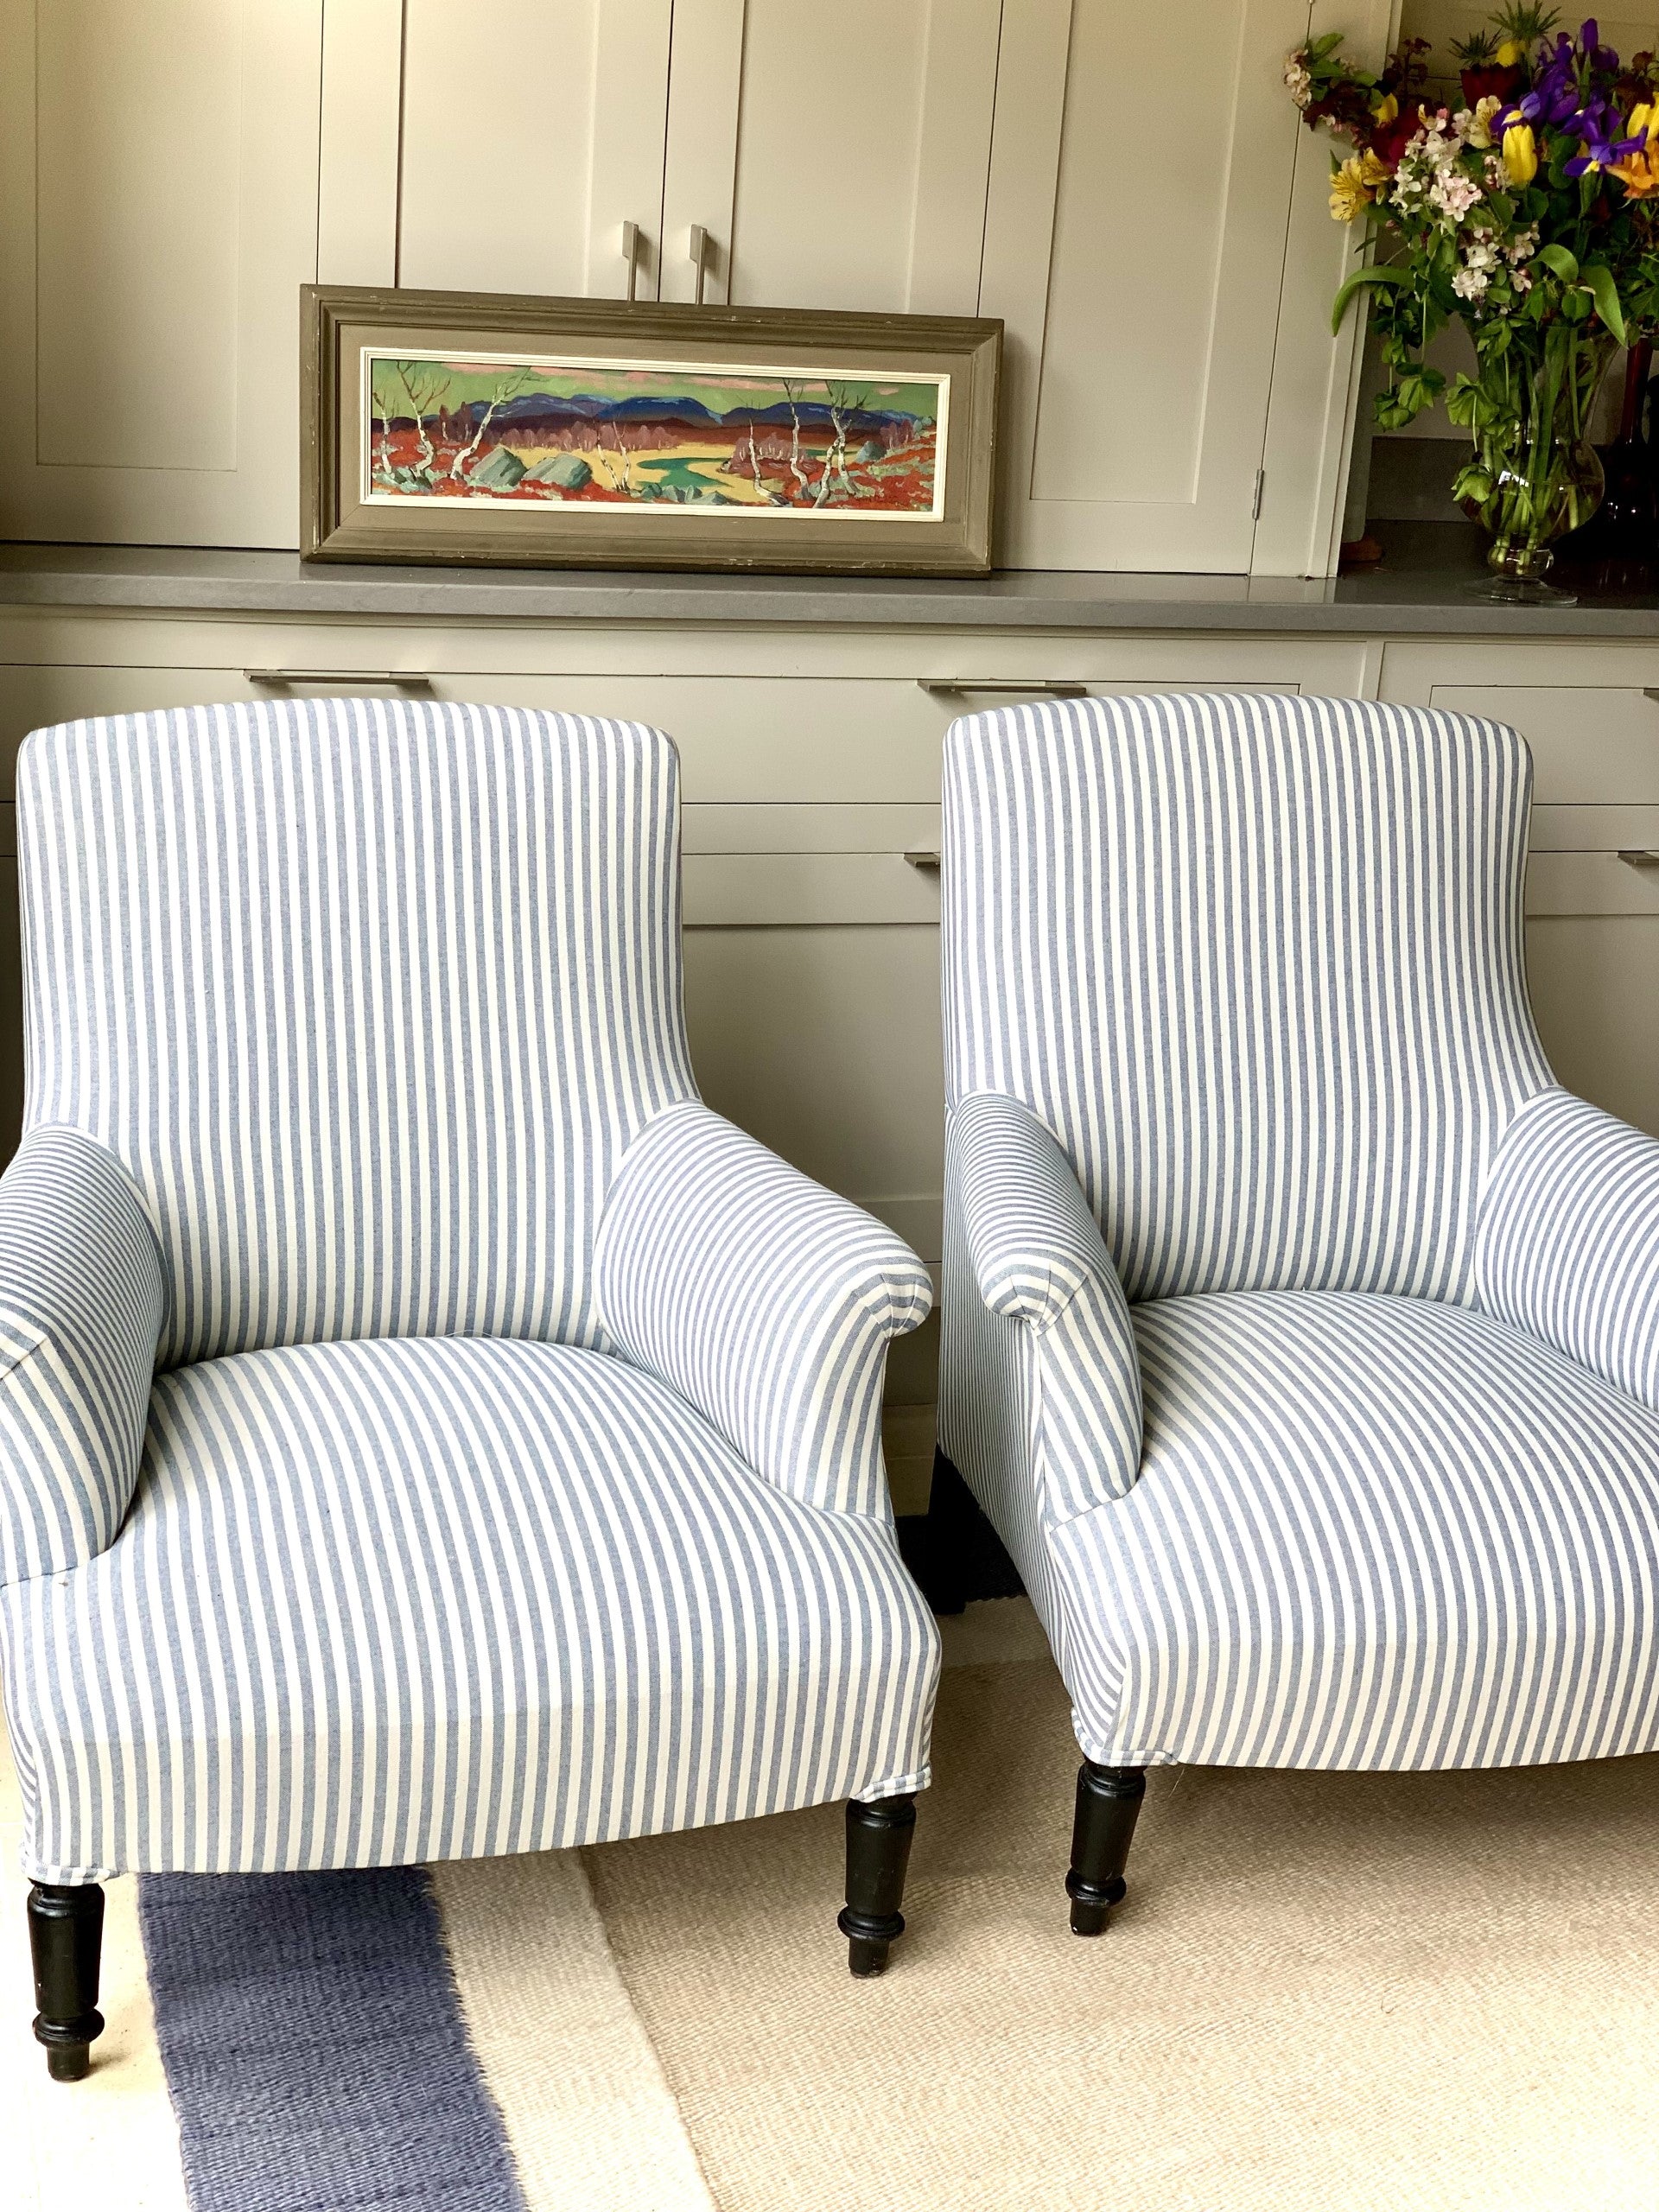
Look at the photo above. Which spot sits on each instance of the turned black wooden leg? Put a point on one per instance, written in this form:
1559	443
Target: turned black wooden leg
878	1852
1108	1800
66	1935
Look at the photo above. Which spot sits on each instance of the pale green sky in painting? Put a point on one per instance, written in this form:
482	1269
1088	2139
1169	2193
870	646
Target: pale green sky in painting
720	394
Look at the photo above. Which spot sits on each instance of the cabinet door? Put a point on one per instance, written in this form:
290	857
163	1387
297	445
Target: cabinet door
532	133
1139	206
1592	953
158	170
832	159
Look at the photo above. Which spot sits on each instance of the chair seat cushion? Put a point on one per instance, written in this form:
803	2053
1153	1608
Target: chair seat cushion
378	1602
1368	1531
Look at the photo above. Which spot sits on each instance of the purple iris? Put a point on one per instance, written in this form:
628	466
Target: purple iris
1558	101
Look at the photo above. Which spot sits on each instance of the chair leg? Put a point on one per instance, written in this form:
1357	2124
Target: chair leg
1108	1802
878	1852
66	1935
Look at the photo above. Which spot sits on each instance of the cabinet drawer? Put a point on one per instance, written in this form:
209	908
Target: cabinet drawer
763	829
776	739
1589	744
1592	883
1594	982
757	890
751	866
1593	829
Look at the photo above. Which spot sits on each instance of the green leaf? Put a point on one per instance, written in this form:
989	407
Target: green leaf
1386	279
1558	258
1604	292
1463	401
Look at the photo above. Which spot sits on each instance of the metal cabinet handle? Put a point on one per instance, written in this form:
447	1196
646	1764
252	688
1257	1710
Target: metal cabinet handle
411	679
630	255
1650	691
700	243
1051	687
922	859
1644	857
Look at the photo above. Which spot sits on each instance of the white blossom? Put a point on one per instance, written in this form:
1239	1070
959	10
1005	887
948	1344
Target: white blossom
1298	83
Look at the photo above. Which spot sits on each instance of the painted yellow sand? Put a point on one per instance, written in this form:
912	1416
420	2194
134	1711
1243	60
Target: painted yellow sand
617	471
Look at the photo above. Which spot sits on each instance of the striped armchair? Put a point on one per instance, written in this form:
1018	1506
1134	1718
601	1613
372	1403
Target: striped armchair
1302	1335
426	1430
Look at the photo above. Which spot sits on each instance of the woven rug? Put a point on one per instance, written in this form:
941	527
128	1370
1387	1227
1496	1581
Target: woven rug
1416	1992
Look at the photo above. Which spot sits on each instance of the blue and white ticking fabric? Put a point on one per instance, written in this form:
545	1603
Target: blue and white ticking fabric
1382	1490
510	1425
369	998
1569	1239
81	1296
701	1221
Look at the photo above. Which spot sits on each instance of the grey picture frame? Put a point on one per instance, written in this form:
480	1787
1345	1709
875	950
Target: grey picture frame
342	324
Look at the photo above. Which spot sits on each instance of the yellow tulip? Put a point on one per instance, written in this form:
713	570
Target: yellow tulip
1638	171
1385	110
1509	53
1520	153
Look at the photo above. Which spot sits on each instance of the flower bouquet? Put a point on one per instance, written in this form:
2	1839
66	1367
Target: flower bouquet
1530	214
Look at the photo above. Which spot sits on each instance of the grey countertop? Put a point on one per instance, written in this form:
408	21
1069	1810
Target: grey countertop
1422	589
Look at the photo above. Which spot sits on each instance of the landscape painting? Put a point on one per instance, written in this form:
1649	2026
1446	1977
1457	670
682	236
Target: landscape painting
582	434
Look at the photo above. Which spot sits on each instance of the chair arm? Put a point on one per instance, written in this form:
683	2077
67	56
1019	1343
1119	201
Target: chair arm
1037	1253
81	1301
760	1297
1567	1241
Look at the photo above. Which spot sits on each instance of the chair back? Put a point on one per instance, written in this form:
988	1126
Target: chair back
368	995
1256	961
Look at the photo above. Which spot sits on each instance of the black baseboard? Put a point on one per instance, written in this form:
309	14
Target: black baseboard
955	1554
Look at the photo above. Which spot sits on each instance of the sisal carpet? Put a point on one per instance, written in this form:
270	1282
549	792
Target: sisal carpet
1323	1992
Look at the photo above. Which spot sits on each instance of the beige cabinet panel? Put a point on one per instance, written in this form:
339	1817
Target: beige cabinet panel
831	161
825	1043
11	992
1140	300
783	740
755	890
532	131
1590	745
1595	991
158	168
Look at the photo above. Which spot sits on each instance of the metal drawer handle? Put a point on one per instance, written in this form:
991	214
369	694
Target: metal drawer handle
932	860
1642	858
1051	687
409	679
1650	691
698	250
631	238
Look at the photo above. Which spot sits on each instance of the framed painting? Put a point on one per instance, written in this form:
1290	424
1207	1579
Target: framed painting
461	427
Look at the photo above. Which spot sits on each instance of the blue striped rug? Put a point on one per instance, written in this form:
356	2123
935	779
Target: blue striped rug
314	2046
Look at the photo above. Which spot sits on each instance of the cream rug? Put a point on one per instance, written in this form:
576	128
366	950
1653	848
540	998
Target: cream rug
1325	1994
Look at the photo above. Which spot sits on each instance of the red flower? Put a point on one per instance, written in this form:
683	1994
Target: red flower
1489	81
1389	140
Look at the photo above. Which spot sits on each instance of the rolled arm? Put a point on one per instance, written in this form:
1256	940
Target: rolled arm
763	1299
1568	1239
81	1301
1037	1254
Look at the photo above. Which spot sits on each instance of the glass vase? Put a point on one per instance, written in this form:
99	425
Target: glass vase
1535	475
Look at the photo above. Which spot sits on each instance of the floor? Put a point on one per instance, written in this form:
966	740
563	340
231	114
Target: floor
1324	1991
